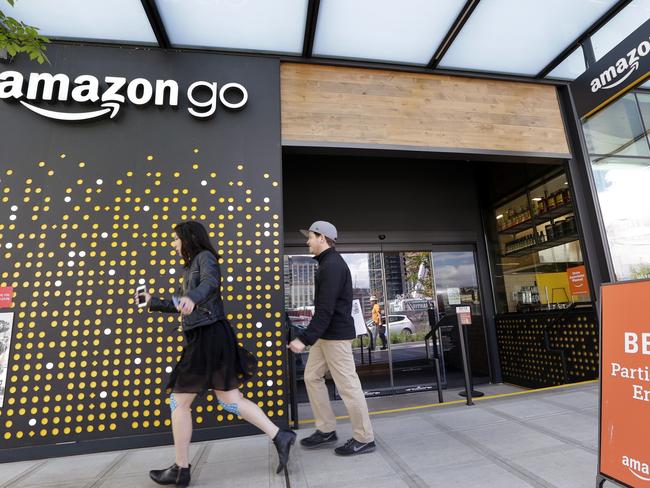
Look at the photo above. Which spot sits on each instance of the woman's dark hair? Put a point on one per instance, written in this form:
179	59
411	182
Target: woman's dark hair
194	239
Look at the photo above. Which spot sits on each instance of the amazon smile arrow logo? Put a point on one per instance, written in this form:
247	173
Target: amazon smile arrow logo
110	107
203	96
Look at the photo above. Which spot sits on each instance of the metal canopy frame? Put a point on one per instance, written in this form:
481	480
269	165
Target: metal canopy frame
151	9
310	28
453	32
586	35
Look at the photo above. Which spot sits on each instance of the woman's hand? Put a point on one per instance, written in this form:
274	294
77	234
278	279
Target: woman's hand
185	306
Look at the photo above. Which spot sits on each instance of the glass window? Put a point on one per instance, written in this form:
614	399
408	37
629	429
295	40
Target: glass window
539	262
644	106
252	25
520	36
617	130
408	32
117	20
622	25
622	187
620	161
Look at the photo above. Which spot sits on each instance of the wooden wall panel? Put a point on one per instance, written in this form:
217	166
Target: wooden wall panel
366	106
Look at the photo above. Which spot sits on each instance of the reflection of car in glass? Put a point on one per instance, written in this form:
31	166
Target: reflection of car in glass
415	309
300	321
408	304
399	324
300	317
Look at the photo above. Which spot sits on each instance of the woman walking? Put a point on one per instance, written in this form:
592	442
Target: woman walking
211	358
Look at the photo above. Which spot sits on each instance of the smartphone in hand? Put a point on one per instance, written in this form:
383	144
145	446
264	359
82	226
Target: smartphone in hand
140	293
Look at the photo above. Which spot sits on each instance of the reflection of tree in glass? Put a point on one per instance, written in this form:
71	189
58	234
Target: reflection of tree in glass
418	266
640	271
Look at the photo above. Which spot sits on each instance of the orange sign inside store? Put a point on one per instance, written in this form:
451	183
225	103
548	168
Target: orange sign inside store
578	280
625	383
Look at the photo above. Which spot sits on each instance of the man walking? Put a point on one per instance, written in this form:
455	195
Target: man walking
380	328
330	335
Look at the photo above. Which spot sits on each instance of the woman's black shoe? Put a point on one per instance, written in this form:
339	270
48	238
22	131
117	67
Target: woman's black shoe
283	441
173	475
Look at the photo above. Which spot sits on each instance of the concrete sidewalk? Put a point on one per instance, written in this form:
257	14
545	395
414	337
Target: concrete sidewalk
539	439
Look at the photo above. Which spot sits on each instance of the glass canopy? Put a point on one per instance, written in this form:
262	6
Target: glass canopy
121	21
522	38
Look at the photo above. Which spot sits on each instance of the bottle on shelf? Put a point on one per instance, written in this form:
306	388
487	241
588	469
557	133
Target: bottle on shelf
569	225
550	201
550	232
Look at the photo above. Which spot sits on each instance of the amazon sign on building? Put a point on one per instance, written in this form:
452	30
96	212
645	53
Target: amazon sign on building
102	152
112	93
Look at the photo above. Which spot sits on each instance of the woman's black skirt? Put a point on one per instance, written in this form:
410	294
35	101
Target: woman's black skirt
211	360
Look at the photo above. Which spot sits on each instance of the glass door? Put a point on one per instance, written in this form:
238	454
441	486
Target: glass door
371	359
410	292
370	350
394	291
456	284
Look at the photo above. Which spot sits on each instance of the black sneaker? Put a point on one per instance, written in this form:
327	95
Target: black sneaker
352	447
318	439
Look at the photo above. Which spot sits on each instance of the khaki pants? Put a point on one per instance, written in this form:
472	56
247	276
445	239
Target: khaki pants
336	356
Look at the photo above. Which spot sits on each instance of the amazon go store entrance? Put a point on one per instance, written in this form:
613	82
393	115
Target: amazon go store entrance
395	351
427	234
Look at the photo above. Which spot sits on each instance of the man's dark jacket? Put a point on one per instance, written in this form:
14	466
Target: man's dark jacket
332	318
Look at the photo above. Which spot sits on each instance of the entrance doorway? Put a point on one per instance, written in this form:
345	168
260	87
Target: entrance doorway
395	352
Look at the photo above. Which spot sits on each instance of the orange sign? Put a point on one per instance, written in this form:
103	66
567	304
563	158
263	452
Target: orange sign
578	280
625	383
6	296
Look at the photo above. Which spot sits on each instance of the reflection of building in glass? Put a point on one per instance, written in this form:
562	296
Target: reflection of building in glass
374	274
299	280
395	274
395	277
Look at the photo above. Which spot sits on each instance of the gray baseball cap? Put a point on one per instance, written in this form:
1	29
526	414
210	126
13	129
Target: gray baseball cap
321	227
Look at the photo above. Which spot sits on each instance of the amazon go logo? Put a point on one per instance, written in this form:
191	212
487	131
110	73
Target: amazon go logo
203	96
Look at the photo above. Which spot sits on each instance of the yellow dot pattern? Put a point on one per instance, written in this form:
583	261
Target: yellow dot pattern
76	239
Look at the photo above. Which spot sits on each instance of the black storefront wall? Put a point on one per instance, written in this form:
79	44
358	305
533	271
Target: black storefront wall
86	213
